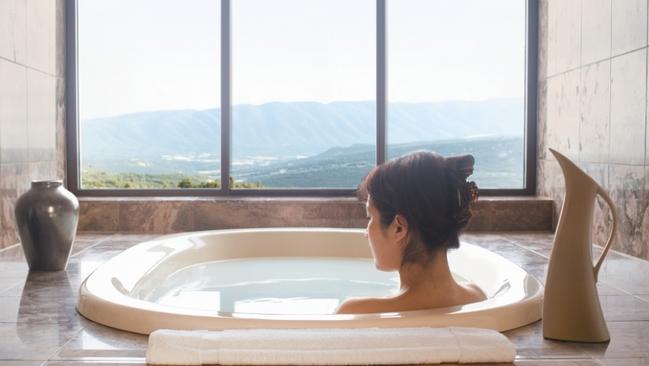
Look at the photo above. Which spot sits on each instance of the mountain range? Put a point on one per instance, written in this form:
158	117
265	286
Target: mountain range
299	137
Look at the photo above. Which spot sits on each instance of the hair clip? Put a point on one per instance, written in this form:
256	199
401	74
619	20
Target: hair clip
475	192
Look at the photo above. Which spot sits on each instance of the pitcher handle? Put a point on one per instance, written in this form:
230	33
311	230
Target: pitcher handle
609	202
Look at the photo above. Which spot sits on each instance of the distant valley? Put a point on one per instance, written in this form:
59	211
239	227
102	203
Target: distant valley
307	144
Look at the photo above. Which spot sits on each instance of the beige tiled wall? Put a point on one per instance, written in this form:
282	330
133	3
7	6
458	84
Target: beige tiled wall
31	101
593	107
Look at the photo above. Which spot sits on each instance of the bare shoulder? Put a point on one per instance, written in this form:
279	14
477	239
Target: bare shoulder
363	305
475	291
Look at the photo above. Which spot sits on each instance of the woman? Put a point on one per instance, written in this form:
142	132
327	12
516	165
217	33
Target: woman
417	205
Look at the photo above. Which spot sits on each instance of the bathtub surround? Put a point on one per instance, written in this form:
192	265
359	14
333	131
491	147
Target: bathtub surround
593	108
180	214
358	346
31	101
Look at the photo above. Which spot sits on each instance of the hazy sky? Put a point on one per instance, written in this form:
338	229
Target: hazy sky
142	55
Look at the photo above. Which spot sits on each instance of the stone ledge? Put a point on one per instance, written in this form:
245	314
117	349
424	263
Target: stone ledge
161	215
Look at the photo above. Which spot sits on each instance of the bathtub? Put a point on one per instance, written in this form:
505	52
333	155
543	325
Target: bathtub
285	278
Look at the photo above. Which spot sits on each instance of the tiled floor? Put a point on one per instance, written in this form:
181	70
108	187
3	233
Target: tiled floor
40	326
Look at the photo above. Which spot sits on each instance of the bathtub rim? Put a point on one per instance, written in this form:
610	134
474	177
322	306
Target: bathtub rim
99	307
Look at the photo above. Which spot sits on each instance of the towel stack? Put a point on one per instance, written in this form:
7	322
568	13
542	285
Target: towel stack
353	346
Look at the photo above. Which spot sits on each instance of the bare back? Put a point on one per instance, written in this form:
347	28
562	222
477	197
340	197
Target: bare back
417	298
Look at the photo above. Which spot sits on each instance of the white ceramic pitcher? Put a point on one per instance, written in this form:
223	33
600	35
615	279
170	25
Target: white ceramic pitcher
571	308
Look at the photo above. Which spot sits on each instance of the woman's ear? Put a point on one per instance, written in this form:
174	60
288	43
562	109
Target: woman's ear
400	229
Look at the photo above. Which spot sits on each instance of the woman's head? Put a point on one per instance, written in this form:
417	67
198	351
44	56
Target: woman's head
420	201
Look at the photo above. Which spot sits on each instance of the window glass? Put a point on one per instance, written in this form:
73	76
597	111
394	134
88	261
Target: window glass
303	92
456	83
149	93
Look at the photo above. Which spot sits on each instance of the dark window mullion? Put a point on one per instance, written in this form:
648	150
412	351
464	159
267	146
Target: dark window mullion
72	98
381	76
226	107
531	84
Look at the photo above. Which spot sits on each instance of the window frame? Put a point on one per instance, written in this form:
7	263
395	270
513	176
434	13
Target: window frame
72	122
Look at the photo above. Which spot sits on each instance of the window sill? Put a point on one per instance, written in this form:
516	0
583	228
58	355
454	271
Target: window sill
161	215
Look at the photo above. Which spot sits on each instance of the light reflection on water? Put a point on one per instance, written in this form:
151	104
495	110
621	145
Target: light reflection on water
277	285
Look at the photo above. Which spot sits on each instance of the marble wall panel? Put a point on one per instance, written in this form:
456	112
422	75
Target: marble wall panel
629	25
594	109
595	31
42	170
11	186
282	213
13	28
564	36
644	229
41	115
59	128
59	40
543	39
542	120
41	35
550	184
504	215
152	217
562	113
627	189
98	217
13	112
8	195
602	218
628	107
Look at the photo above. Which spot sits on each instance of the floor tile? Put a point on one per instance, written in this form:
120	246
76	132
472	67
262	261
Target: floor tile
624	308
21	341
44	311
96	340
627	274
530	343
14	253
538	242
604	289
7	283
629	339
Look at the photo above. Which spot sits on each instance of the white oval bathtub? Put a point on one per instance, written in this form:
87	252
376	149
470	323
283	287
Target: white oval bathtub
285	278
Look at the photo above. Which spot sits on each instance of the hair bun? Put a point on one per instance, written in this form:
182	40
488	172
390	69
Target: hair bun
461	165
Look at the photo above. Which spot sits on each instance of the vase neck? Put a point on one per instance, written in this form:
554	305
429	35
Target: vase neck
47	183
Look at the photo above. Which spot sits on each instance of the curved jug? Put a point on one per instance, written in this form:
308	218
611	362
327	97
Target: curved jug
571	308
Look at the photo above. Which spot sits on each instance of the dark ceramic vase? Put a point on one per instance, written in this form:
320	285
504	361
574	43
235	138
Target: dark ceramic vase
47	217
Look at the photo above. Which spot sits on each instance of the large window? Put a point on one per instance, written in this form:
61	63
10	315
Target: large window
294	96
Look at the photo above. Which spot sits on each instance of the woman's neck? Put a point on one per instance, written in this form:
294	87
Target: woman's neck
432	273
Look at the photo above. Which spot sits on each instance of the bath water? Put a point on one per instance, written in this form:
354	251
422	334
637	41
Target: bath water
275	285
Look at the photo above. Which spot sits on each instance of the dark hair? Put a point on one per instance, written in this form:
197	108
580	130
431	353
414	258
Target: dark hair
430	192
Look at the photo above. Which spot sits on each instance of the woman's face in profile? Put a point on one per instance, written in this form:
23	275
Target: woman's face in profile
385	248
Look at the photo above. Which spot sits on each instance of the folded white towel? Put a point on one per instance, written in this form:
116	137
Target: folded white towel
353	346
